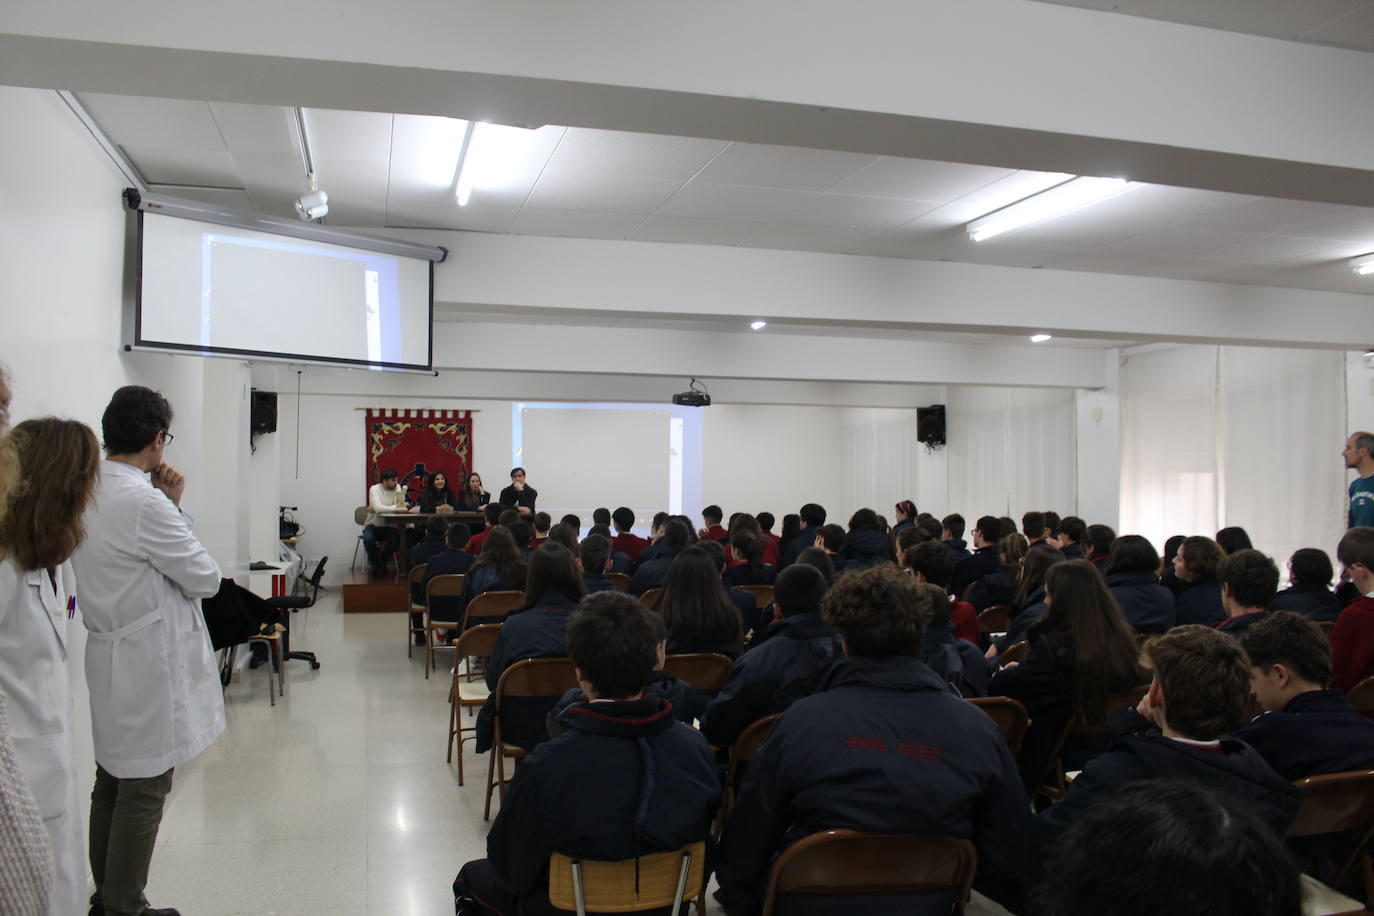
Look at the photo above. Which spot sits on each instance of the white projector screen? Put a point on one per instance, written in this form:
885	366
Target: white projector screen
216	289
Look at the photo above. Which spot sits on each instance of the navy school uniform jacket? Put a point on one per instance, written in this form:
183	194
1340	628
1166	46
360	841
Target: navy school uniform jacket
622	780
1046	683
621	562
748	607
536	631
1200	602
958	549
1317	732
1139	752
597	583
956	660
1032	609
887	747
966	572
1072	552
738	574
865	547
804	539
763	678
997	587
650	573
1312	601
686	701
1238	626
447	562
1148	606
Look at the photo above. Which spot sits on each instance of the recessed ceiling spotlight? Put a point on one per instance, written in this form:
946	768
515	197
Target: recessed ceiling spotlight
757	325
1363	265
1039	338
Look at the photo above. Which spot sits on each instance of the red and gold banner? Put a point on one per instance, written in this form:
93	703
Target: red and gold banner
416	443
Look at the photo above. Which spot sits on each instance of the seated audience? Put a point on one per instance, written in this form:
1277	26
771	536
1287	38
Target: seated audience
909	538
1097	545
820	559
955	659
771	675
696	610
523	532
886	747
1352	640
999	585
930	562
747	568
830	538
542	522
812	517
436	496
1005	525
1080	652
1133	579
498	568
1052	522
905	514
573	522
624	779
431	543
1033	527
472	497
1169	846
1309	592
652	572
1249	580
747	522
1234	538
930	526
1306	729
866	543
791	527
620	562
594	559
1167	577
450	561
1069	538
1028	605
626	541
564	534
743	601
713	531
1198	596
491	514
536	630
1179	730
601	516
952	535
985	557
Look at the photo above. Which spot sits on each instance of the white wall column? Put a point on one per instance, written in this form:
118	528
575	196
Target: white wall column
1099	447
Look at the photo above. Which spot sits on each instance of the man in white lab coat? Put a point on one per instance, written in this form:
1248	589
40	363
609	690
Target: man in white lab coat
155	690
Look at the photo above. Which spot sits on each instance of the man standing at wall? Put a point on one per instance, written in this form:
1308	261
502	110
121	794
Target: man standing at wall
1359	455
155	692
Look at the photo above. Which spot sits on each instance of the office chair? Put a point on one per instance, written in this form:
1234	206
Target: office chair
294	603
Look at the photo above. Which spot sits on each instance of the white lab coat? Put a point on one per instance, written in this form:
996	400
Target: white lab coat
33	678
156	700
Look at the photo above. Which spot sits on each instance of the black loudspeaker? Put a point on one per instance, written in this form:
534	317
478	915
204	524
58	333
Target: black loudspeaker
930	425
263	416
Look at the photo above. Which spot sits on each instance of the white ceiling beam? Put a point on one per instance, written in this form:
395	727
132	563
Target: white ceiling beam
996	82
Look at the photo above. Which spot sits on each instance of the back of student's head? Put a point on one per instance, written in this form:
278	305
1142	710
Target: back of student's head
1052	521
989	529
1205	677
812	515
1011	549
552	566
1033	525
1034	566
1005	525
832	537
1172	546
1169	846
1100	538
458	535
879	611
523	533
954	524
565	535
695	606
908	538
932	560
1083	612
1311	567
818	558
436	527
508	517
791	527
595	553
1132	553
931	526
624	518
660	518
613	640
766	521
542	521
1251	577
1357	546
499	550
1293	641
712	514
601	516
675	536
715	551
1073	528
686	526
573	522
602	530
747	548
133	419
799	589
1201	557
1234	538
492	514
864	518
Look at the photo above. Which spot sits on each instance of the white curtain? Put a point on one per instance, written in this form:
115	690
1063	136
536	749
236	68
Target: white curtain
1168	443
878	450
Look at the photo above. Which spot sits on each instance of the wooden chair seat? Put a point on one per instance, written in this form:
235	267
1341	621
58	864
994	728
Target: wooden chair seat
703	670
651	597
1010	716
620	580
1361	696
653	881
763	594
1015	653
745	748
995	619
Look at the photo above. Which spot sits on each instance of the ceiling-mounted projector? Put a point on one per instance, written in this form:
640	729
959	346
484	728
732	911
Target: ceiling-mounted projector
695	396
312	205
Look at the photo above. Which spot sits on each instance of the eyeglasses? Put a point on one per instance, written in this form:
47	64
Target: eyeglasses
167	437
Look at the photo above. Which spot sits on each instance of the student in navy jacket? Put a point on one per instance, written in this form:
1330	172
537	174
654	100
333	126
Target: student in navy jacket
765	678
498	568
535	631
885	747
698	613
651	572
866	544
1310	572
985	558
1133	579
594	559
1306	729
1198	598
1080	652
1200	688
812	518
451	561
1249	581
747	568
952	536
957	660
624	779
1028	603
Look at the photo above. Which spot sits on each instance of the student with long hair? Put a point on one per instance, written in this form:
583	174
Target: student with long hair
436	495
42	525
1133	581
1198	595
696	609
748	568
498	568
472	497
999	585
1080	651
1028	604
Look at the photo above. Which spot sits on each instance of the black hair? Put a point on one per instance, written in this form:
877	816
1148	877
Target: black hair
133	419
596	552
624	518
696	608
818	558
601	516
791	527
1251	576
523	532
508	517
436	527
659	519
676	536
833	537
749	547
572	521
514	471
492	513
864	518
766	520
565	535
1074	528
1132	553
1234	538
388	474
954	524
1292	640
602	530
1312	567
458	535
812	515
542	521
1171	548
932	560
712	514
799	589
990	529
553	566
1033	525
1005	525
1100	538
613	640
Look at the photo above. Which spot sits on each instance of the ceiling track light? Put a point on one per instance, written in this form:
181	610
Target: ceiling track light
314	204
1071	195
1363	265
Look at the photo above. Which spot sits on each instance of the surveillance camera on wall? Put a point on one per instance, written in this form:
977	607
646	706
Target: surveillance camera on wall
313	205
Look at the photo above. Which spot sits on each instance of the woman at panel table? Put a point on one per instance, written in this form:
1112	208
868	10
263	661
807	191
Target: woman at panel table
436	496
472	497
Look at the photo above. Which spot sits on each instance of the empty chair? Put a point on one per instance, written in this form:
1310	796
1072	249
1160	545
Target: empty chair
1340	803
296	603
706	671
466	694
445	586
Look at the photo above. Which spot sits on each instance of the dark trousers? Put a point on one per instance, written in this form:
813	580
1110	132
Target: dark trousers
380	542
125	814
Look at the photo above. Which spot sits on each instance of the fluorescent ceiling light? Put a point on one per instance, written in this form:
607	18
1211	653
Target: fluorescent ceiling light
1074	194
437	144
1363	265
1039	338
757	325
492	157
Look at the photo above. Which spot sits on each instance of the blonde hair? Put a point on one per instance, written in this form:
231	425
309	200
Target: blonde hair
59	461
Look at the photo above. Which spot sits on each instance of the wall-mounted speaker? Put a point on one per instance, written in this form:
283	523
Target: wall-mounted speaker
930	425
263	413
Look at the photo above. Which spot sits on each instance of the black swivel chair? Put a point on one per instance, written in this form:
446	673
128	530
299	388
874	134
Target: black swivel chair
294	603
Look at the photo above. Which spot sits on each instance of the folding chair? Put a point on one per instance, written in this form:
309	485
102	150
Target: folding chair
417	575
1361	697
745	748
359	519
995	620
650	597
1010	717
274	651
706	671
493	604
448	586
656	880
534	677
468	695
1015	653
763	594
1079	725
620	580
1340	803
846	862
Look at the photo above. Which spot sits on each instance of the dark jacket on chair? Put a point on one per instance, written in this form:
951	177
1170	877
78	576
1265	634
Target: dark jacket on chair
650	573
1312	601
1148	606
1046	683
1317	732
536	631
956	660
